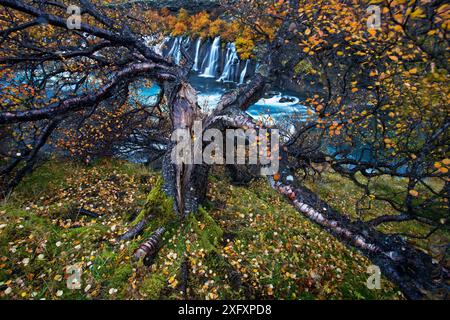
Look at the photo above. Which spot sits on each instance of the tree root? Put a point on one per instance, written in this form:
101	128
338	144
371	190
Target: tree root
235	278
149	248
184	275
136	230
88	213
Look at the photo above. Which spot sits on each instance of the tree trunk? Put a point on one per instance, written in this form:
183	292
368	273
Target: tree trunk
186	183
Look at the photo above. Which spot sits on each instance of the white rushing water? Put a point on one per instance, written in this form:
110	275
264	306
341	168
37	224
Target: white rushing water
197	53
175	51
279	100
231	63
211	59
211	68
155	44
243	73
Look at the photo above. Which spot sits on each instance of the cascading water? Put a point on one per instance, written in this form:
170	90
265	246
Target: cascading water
227	56
211	68
159	48
231	62
172	49
197	53
151	42
207	58
175	51
243	73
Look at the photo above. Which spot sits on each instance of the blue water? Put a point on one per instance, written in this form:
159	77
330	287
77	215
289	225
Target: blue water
270	109
148	95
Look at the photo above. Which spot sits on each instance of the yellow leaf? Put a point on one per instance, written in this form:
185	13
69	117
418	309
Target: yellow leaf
443	169
393	58
372	32
418	13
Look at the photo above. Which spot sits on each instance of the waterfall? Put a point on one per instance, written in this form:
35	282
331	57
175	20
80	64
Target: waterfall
159	48
174	45
197	52
243	73
155	44
207	56
187	42
175	51
231	61
210	71
226	68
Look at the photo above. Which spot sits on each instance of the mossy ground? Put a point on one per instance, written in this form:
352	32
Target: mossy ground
247	242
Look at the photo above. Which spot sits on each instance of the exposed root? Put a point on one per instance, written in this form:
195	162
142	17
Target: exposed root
149	248
88	213
184	273
136	230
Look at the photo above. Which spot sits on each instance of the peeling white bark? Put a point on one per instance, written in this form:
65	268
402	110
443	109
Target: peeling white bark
317	217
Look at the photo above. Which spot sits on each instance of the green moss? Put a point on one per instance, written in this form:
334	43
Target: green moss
103	265
152	286
91	232
159	205
45	179
271	242
40	237
266	234
121	275
208	231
